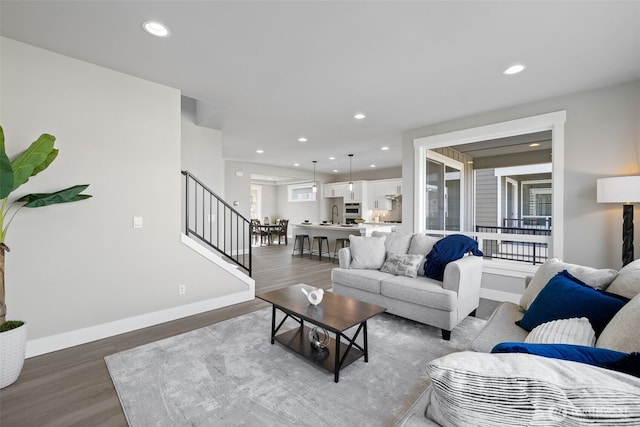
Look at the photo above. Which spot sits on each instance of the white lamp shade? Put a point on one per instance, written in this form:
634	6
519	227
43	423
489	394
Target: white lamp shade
621	189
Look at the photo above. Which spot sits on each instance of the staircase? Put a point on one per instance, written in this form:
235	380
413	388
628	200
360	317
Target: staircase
215	224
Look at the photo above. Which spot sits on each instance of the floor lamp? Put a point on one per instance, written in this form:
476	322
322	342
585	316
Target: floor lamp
625	190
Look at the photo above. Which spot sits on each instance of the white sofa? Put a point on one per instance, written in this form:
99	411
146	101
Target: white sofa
442	304
476	387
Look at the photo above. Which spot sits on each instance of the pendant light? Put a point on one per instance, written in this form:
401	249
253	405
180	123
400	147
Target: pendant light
315	187
350	182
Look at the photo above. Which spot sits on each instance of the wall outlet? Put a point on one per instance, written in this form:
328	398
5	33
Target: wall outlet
182	289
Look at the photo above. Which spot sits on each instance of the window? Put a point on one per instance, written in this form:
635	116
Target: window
545	203
301	192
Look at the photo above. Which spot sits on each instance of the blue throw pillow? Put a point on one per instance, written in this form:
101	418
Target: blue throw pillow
628	363
565	297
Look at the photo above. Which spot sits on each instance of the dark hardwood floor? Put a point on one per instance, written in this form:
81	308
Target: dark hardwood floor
72	387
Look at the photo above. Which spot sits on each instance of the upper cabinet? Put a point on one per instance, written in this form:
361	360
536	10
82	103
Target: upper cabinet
341	189
379	192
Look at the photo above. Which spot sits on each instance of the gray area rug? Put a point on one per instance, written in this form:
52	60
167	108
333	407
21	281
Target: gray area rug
229	374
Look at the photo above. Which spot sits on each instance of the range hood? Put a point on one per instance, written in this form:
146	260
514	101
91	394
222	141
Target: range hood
393	196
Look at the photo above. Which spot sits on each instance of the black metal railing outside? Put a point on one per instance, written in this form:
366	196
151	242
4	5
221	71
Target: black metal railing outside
216	223
531	252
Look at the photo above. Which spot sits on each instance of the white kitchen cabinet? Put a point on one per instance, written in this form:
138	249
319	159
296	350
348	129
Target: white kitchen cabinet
379	190
341	189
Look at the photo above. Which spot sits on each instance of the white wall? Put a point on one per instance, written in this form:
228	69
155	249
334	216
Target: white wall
81	265
602	138
201	149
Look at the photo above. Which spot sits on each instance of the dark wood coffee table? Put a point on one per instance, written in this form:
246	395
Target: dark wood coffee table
336	313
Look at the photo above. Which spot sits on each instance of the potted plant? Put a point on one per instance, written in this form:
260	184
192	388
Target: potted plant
14	173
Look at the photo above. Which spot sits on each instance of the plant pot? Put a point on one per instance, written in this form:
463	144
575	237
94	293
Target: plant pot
13	346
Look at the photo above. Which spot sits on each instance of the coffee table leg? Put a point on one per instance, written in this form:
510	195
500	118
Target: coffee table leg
273	323
366	347
337	360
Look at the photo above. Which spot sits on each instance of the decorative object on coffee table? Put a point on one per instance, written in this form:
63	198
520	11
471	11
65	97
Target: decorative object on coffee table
314	296
336	314
319	338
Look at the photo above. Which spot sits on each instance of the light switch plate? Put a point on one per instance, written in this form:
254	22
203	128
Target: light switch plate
137	222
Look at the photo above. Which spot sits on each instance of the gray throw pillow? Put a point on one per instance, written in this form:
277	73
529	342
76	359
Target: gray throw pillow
367	252
622	333
402	264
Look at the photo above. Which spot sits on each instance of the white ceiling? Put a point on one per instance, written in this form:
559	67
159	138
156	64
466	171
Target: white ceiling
267	72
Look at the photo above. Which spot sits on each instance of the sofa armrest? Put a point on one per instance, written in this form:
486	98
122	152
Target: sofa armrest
463	276
344	256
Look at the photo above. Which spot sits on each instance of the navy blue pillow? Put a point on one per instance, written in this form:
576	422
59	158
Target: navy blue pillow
628	363
565	297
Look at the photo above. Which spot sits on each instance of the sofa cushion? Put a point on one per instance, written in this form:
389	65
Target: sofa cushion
367	252
627	283
419	290
565	297
622	333
395	242
577	331
522	389
402	264
598	279
628	363
422	244
500	327
366	280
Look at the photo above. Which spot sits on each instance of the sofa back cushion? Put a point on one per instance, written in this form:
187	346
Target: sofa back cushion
627	283
596	278
367	252
622	333
421	244
397	243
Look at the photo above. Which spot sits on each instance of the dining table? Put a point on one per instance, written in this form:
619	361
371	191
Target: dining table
269	229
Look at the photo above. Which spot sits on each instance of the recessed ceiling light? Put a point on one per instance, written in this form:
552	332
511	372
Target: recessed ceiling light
514	69
302	139
534	144
296	164
259	151
332	158
335	170
372	166
384	148
156	28
359	116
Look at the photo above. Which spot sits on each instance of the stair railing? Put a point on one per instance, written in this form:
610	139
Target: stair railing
216	223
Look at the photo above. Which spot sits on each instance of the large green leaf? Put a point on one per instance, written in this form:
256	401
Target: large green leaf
50	158
6	172
71	194
32	158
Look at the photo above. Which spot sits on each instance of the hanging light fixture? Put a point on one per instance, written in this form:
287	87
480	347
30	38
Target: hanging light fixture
315	187
350	182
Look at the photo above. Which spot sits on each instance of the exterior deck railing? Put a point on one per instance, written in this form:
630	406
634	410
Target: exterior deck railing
216	223
508	243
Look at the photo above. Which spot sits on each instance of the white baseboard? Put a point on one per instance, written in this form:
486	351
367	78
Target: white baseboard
495	295
82	336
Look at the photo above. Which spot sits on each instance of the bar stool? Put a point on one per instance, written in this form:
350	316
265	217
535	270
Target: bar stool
341	242
301	238
319	239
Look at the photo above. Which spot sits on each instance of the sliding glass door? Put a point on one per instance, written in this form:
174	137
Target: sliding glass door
444	194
